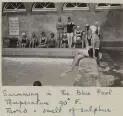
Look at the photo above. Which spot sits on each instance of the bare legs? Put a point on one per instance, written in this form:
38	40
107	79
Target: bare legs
76	60
79	56
70	37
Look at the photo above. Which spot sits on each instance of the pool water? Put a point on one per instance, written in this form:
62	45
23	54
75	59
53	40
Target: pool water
24	71
114	59
117	57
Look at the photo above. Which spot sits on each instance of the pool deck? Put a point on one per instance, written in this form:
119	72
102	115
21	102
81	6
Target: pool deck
47	52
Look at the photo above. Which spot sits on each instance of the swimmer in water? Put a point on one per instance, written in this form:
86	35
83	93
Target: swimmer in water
80	54
37	83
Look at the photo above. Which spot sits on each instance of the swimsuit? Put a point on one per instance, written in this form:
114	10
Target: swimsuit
78	32
23	40
70	27
43	40
64	41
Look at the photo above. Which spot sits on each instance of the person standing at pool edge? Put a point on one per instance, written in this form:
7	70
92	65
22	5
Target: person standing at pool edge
60	31
78	37
99	33
88	34
70	25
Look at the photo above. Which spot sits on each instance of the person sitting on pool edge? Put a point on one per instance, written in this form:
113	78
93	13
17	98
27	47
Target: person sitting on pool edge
33	41
43	40
24	40
52	41
64	41
37	83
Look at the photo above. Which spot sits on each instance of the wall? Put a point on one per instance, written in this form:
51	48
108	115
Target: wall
111	22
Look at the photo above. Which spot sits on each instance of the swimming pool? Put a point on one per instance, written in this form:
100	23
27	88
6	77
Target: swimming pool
24	71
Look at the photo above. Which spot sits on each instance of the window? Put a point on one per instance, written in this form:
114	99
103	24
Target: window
76	6
107	6
43	6
14	7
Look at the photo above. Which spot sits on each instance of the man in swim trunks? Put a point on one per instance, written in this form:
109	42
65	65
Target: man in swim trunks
70	29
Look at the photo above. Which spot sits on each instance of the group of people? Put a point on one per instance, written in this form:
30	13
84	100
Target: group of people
37	42
70	35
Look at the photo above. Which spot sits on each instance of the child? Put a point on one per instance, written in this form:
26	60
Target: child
24	39
52	41
27	43
78	39
36	42
64	41
43	40
33	40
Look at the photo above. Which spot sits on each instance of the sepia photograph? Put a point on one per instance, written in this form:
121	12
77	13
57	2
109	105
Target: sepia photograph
62	44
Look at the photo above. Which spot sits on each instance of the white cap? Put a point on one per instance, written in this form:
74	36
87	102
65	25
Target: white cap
23	33
96	23
78	26
87	24
93	28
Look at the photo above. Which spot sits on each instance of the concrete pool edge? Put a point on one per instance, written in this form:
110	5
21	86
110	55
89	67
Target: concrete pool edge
39	52
47	52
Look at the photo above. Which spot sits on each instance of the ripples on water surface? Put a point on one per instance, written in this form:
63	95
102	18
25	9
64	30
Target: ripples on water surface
24	71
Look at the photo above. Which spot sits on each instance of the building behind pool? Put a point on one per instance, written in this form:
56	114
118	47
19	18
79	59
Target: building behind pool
36	18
